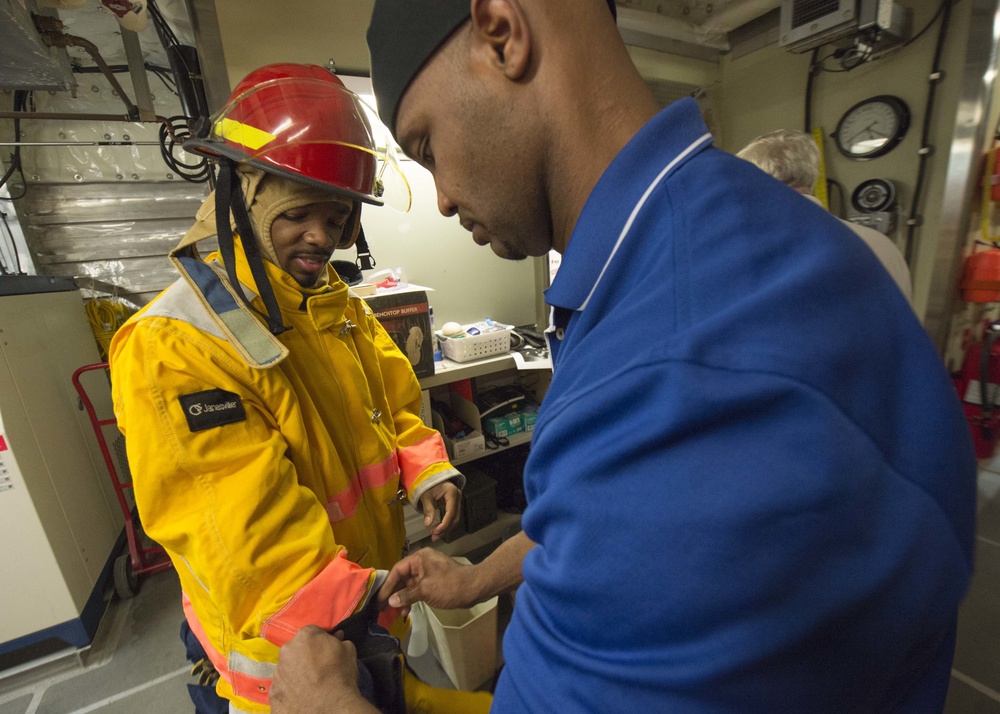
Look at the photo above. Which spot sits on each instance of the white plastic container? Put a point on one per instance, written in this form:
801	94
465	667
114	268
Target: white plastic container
465	642
470	347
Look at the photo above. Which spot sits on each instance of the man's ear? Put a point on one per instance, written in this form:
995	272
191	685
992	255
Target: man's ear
500	27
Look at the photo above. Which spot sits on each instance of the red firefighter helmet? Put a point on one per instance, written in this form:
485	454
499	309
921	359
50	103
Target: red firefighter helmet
300	121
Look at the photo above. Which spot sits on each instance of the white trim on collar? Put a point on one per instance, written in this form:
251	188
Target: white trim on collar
703	139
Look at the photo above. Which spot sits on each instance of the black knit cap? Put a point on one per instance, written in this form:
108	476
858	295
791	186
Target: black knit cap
402	36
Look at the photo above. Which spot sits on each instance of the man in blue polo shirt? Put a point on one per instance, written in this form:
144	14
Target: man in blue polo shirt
751	488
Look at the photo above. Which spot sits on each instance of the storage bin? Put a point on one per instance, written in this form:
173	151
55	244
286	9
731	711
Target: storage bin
465	642
470	347
479	504
479	500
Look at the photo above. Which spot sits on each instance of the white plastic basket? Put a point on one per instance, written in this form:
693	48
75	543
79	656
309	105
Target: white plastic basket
470	347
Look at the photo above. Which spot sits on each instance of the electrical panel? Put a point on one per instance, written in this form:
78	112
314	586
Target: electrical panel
807	24
59	521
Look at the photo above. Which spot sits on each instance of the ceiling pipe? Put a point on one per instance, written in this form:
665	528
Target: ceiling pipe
51	33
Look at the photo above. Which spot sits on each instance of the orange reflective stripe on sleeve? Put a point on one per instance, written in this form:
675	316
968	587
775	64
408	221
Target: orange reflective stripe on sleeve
325	600
413	460
217	658
249	678
246	677
343	505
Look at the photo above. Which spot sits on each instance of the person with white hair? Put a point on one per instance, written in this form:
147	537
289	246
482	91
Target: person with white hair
792	157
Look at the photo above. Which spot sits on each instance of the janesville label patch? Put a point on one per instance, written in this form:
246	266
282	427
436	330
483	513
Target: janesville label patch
211	408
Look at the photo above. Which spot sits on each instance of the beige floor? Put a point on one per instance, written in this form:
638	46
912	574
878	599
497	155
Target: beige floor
975	683
136	663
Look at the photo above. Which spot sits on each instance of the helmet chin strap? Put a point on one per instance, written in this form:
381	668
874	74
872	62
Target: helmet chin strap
365	261
229	197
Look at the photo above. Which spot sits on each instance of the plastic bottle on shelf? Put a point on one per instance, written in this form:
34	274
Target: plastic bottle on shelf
434	337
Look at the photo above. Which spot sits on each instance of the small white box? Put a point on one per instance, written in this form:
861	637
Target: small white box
471	443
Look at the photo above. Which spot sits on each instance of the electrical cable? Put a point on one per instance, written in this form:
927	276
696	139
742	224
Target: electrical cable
917	36
116	68
163	78
809	90
13	246
915	219
105	317
162	73
179	128
168	39
870	53
172	137
21	103
840	193
167	36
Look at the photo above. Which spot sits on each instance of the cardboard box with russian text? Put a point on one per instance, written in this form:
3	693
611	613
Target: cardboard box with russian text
405	316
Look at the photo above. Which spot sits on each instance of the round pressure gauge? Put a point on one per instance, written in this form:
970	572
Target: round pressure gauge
873	195
872	127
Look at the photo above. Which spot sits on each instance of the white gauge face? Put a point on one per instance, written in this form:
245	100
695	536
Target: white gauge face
872	128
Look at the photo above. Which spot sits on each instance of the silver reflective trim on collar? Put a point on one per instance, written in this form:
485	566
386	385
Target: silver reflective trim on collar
179	302
252	668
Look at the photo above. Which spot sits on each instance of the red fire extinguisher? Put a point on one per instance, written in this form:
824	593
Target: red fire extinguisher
978	385
978	380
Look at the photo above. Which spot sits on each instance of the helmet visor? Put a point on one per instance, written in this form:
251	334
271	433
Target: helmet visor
311	130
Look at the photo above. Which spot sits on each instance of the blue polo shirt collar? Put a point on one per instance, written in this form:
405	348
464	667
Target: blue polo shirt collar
662	146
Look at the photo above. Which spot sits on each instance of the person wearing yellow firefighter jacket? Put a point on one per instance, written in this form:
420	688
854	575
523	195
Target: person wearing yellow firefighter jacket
272	426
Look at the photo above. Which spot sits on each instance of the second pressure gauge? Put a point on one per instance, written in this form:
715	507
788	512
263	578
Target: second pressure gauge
874	195
872	127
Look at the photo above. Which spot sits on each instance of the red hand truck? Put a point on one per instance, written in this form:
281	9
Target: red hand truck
144	557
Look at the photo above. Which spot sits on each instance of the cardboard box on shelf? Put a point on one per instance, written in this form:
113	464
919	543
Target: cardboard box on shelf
471	443
529	415
503	425
404	314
